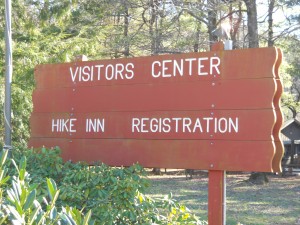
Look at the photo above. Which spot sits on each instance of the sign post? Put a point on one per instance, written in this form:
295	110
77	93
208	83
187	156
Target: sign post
217	184
217	197
216	111
8	75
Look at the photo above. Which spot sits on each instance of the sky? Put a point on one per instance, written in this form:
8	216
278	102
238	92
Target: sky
280	16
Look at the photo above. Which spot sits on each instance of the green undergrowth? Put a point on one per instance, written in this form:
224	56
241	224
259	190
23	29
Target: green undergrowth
37	187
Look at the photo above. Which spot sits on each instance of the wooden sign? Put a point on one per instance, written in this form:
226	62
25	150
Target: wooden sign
215	110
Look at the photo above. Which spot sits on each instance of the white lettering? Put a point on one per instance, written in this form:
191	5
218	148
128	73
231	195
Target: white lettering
109	72
234	125
135	125
153	69
72	125
86	73
197	125
55	125
73	75
215	65
186	123
154	127
63	125
129	69
143	125
167	127
119	71
182	125
178	68
95	125
166	68
176	122
99	70
190	61
200	67
208	119
222	125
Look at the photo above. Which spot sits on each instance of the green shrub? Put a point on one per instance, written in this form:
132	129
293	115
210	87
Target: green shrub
114	195
19	203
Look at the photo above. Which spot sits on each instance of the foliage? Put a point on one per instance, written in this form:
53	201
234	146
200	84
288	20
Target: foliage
19	203
104	194
290	74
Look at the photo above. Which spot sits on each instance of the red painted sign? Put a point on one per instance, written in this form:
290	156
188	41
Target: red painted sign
214	110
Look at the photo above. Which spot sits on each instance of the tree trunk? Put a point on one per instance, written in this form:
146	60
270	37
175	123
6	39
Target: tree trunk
197	36
270	23
255	178
126	27
153	30
212	22
258	178
252	23
235	26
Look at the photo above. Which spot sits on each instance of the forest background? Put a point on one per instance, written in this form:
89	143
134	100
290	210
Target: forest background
58	31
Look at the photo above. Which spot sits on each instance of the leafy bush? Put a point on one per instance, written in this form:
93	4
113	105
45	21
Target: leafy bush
19	204
113	195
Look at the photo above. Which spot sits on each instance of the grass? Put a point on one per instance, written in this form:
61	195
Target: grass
277	202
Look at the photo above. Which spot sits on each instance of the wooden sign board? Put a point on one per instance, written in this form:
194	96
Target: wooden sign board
214	110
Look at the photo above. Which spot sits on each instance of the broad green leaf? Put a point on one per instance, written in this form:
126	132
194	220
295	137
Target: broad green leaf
4	180
29	201
23	195
33	186
55	197
15	165
33	216
3	158
51	188
17	189
22	174
87	218
53	213
76	215
23	163
15	214
3	220
68	220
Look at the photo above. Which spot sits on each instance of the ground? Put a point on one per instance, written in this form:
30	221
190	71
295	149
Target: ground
275	203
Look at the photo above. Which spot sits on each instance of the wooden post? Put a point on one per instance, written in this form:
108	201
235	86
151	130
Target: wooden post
217	183
216	197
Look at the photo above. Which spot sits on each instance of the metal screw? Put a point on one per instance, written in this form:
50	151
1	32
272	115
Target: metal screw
211	143
213	84
213	105
212	113
211	165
